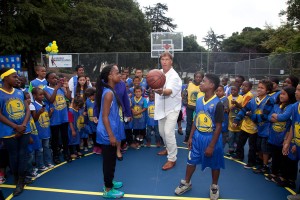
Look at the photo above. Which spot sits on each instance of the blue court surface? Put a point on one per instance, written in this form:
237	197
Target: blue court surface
142	176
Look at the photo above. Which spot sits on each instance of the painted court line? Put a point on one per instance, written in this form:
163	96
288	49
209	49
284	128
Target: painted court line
135	196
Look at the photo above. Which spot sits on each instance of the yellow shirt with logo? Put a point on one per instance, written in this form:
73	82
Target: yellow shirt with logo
233	111
193	91
247	124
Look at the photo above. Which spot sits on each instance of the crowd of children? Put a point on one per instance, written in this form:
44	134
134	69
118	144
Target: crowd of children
41	122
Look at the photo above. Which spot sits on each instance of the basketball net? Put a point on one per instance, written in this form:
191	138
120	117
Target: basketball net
167	47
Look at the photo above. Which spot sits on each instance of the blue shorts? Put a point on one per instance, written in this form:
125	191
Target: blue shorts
199	144
262	144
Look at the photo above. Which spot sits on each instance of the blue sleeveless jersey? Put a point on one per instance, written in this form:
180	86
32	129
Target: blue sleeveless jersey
13	108
150	114
90	112
43	123
143	83
205	114
225	122
37	83
279	129
296	123
77	123
139	121
60	114
115	120
37	144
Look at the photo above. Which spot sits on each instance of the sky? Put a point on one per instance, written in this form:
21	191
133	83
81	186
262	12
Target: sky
223	16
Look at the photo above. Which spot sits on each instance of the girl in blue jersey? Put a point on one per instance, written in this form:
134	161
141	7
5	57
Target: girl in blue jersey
109	127
280	118
76	123
205	142
258	110
41	114
55	93
291	144
14	125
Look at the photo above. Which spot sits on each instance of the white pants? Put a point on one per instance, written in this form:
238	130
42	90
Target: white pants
166	128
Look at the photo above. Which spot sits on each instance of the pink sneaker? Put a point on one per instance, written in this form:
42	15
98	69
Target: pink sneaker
97	150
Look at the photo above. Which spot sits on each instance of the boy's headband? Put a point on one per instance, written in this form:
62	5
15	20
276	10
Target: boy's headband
7	73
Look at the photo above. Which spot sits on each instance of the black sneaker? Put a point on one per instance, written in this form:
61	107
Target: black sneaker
263	170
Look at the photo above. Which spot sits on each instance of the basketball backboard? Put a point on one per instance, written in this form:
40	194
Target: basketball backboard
166	41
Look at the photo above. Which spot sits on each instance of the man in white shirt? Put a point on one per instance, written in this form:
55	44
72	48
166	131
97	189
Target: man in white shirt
73	81
167	108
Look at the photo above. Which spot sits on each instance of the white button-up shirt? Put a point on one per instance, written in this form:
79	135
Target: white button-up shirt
167	104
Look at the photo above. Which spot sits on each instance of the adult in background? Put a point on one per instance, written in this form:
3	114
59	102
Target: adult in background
73	81
167	108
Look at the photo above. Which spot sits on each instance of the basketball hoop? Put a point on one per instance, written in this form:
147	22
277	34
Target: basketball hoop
167	47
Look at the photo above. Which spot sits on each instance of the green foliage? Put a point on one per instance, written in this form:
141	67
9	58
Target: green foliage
156	17
292	12
26	27
213	41
249	40
190	44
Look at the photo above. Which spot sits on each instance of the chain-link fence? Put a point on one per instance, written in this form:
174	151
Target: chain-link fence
250	65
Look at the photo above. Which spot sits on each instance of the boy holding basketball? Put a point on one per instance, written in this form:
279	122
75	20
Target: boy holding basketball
205	143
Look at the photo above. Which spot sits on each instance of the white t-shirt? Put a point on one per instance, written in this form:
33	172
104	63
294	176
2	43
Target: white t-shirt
167	104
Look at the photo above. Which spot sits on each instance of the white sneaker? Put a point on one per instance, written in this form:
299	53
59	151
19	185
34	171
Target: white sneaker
50	166
214	192
85	149
294	197
183	187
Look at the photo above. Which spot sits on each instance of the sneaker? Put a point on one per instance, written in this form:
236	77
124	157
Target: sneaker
50	166
117	184
112	194
35	170
95	149
263	170
293	197
43	168
183	187
90	145
86	149
249	166
214	192
33	175
2	179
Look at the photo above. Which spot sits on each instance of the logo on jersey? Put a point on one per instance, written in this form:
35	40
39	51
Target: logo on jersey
60	102
33	127
203	122
297	133
121	114
193	96
15	108
44	120
151	111
90	113
279	126
137	108
80	122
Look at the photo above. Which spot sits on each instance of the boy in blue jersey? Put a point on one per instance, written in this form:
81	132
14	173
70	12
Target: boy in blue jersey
220	92
139	107
41	114
291	144
40	81
152	124
14	125
205	142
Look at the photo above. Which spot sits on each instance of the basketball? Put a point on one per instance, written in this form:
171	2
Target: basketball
156	79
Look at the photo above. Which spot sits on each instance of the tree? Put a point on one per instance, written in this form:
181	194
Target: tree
156	16
190	44
249	40
26	27
292	12
213	41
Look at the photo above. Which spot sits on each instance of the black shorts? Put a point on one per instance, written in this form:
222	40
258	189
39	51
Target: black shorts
179	116
262	145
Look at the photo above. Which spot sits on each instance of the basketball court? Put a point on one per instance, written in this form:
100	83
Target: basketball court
142	176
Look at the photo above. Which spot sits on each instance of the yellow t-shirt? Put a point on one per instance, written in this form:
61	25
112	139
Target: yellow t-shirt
233	111
247	124
193	91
